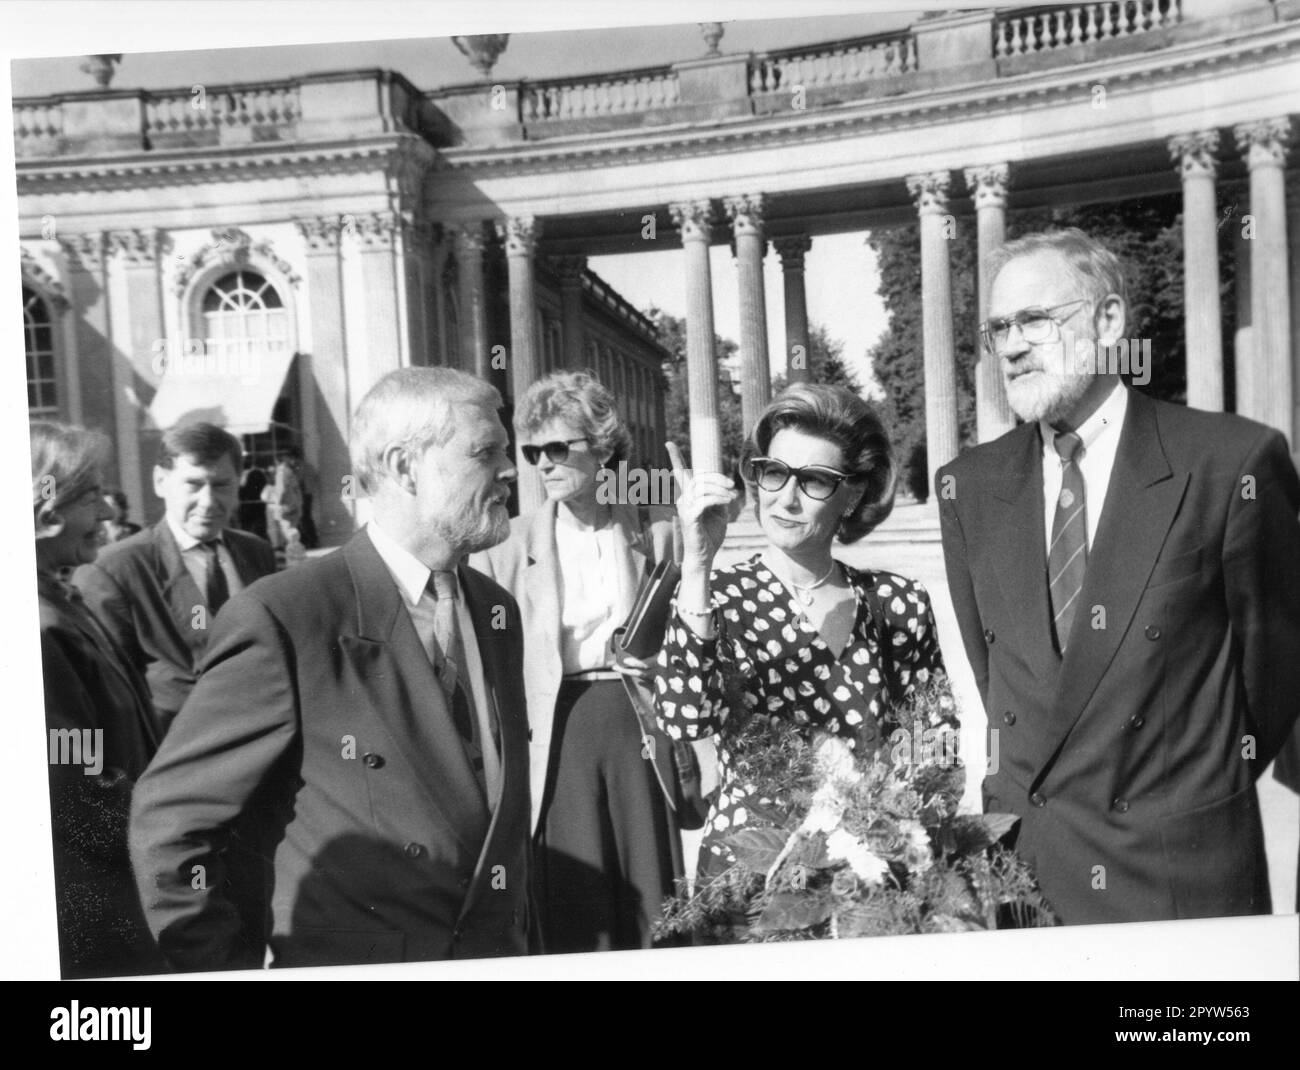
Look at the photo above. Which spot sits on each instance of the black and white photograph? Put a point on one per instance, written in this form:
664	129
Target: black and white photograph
597	493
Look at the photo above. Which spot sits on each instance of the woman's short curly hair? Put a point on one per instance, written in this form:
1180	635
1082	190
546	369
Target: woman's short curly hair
839	416
67	461
583	402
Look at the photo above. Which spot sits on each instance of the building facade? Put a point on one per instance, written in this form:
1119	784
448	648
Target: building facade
398	226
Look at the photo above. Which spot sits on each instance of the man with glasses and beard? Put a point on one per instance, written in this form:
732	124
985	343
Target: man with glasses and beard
1126	574
361	718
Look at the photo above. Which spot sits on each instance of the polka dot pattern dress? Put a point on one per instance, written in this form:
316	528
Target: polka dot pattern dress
778	664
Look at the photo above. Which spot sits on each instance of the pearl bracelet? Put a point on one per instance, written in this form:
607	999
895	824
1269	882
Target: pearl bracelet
694	612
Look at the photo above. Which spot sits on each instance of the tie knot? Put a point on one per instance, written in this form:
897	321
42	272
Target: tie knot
1067	444
443	584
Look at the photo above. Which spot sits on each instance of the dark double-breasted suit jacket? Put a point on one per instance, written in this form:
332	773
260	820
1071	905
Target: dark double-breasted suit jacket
145	597
320	732
1132	761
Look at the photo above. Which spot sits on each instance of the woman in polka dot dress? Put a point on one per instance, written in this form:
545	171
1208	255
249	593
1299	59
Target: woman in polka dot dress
791	633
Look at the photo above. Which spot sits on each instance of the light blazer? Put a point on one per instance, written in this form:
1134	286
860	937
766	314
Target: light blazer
319	732
1130	761
144	595
527	565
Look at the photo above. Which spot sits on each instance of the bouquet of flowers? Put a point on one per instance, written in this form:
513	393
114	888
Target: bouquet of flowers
859	843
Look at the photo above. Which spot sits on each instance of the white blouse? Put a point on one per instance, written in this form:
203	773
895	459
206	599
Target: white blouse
590	599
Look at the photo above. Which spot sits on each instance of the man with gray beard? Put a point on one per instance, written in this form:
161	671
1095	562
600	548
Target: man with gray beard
361	720
1126	575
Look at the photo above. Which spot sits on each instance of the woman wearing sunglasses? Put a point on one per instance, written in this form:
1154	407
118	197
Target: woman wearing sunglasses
606	848
791	633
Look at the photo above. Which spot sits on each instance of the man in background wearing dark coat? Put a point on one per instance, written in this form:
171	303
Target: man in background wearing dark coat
362	719
1126	575
158	591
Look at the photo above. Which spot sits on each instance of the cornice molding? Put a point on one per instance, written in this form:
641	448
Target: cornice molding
1012	94
406	162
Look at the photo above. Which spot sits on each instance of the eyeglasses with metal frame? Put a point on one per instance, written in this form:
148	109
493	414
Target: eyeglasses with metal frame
1036	325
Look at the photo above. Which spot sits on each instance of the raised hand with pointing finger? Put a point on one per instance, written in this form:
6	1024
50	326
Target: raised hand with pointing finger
703	503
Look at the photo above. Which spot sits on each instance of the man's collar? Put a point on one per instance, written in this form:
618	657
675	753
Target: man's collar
1108	416
411	574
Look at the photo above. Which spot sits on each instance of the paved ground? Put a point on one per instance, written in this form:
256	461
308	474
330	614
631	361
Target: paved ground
923	560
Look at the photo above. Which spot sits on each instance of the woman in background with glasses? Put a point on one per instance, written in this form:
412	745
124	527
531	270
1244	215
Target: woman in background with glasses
607	850
791	633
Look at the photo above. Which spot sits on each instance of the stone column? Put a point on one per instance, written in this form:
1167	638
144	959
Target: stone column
435	307
930	191
135	332
988	186
569	270
797	356
692	219
746	215
324	372
1293	248
521	234
1194	155
90	341
416	237
1243	337
377	244
474	354
1265	146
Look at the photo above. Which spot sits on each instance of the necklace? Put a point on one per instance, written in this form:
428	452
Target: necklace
804	591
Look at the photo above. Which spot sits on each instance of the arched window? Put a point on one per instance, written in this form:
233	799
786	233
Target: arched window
38	340
244	319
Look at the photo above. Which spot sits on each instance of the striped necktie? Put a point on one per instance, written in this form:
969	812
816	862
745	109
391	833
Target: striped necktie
448	661
1068	557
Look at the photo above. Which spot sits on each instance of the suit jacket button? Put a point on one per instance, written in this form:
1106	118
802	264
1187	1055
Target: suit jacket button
1009	718
1121	805
1137	721
988	635
1152	632
373	761
413	850
1038	799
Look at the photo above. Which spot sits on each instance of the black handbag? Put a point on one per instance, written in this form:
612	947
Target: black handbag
675	764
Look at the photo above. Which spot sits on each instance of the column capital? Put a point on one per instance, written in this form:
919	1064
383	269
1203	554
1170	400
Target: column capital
930	191
568	269
1264	142
791	250
470	238
319	233
746	212
520	234
373	230
988	184
139	248
693	219
85	252
1194	154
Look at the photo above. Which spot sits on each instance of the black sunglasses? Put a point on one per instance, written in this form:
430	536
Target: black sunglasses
556	452
814	480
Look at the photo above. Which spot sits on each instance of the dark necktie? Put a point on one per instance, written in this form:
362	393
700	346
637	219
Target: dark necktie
448	658
1067	559
218	589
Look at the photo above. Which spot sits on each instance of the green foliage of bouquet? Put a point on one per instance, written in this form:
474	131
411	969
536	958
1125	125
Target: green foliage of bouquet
859	843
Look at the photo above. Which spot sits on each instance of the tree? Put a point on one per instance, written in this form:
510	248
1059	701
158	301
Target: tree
826	362
671	331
